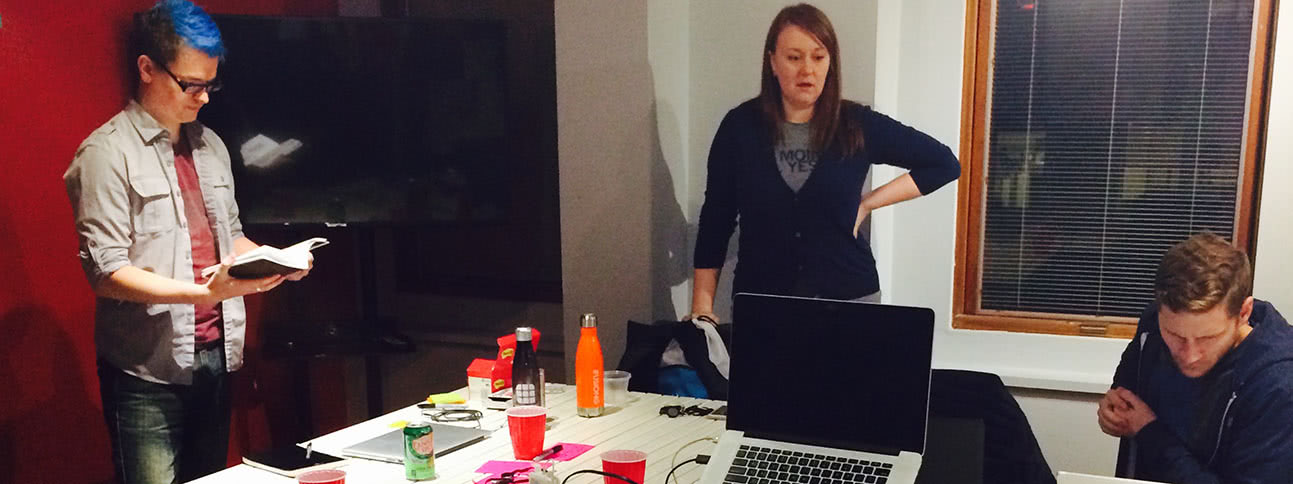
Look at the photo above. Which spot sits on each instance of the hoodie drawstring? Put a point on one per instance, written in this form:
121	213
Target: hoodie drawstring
1222	427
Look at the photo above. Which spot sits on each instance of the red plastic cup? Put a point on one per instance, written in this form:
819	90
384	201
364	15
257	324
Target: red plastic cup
525	424
323	476
627	463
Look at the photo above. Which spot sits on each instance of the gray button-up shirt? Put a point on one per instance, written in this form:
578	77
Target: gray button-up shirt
126	200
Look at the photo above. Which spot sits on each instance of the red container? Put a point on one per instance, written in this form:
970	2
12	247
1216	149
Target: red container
627	463
501	376
325	476
526	426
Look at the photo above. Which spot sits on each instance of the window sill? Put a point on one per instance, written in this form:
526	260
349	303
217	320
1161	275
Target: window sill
1062	381
1038	361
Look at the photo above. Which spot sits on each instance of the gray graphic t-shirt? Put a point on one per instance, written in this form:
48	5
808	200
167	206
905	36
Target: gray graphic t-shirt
795	155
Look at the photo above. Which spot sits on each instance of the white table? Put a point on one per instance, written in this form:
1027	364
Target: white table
638	425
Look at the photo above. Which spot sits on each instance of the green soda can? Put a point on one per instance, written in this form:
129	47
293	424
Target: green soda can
419	452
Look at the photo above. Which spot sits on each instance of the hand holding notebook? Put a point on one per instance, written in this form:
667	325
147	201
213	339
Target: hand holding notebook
265	261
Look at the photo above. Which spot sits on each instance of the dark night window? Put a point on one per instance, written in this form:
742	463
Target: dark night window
1099	133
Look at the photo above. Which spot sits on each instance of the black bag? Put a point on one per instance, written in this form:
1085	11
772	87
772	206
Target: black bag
646	343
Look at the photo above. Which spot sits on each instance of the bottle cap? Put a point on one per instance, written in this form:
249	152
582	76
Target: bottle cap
523	333
588	321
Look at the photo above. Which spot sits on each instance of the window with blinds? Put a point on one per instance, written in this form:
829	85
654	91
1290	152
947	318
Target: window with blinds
1105	132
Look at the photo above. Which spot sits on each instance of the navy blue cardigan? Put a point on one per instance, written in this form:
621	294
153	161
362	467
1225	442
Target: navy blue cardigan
804	239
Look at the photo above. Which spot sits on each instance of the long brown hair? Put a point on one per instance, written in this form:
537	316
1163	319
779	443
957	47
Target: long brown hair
828	127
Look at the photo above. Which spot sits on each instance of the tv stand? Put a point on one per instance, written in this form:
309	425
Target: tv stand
336	340
369	335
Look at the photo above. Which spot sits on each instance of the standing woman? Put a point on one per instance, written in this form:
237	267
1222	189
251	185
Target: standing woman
790	165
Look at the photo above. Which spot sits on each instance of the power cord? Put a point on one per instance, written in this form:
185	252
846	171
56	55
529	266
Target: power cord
700	459
602	473
673	462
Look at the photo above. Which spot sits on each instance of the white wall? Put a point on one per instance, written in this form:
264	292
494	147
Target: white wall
1273	277
669	56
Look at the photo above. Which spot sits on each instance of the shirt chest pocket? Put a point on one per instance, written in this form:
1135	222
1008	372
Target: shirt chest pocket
221	197
154	210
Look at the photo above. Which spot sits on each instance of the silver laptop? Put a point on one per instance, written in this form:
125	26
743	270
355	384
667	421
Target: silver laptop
389	447
825	392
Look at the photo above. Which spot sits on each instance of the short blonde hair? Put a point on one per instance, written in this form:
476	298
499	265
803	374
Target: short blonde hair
1201	272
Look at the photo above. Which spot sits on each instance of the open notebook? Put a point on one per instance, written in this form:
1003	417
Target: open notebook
265	261
292	461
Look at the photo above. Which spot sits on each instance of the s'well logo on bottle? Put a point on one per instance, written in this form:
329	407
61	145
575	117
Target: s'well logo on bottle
588	369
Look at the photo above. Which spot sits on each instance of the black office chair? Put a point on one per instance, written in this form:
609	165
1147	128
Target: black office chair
1009	450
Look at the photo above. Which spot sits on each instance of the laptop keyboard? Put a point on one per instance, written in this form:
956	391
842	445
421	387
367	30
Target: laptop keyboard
763	465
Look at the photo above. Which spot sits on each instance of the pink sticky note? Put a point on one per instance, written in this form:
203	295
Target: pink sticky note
569	451
497	467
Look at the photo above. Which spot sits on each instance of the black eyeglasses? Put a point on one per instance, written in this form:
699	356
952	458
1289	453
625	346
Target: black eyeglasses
192	88
456	415
673	411
511	477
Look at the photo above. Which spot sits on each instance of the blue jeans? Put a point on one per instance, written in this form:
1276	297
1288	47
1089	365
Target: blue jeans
163	434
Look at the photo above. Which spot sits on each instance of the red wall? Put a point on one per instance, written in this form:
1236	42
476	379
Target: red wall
61	76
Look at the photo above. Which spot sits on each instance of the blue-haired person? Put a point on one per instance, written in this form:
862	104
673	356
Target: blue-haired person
152	196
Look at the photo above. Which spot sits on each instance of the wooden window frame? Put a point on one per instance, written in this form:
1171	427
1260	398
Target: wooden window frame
966	295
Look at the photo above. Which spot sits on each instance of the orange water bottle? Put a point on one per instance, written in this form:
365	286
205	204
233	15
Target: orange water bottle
589	394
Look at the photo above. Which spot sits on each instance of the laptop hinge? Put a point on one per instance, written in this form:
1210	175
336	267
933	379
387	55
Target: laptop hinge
860	447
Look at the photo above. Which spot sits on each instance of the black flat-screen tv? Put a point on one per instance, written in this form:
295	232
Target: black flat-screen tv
364	120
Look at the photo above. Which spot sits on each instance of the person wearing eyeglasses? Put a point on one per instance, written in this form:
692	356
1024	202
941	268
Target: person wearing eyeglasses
153	200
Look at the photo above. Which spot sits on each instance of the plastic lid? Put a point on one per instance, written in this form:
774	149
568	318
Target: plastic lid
523	334
588	321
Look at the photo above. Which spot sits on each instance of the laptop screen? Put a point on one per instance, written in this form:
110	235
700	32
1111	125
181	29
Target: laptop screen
839	374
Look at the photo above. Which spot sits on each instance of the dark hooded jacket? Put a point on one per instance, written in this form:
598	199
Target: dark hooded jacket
1242	428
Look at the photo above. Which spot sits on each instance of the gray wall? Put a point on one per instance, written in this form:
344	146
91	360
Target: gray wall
605	145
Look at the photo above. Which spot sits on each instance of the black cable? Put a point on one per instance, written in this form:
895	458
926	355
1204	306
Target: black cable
602	473
688	461
455	415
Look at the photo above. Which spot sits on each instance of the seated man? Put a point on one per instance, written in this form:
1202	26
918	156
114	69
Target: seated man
1204	392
